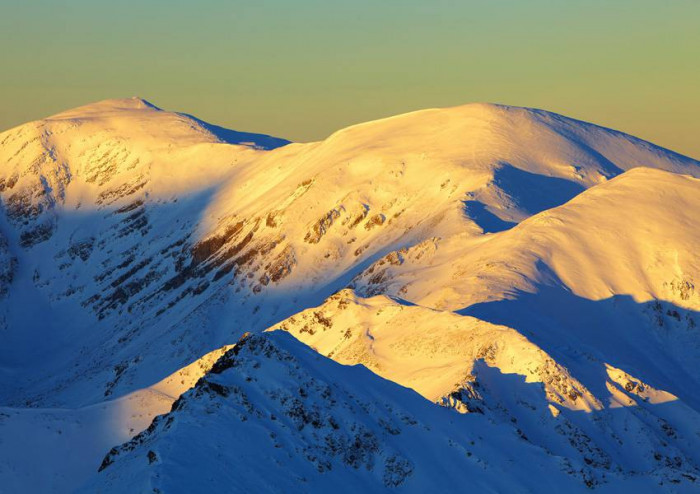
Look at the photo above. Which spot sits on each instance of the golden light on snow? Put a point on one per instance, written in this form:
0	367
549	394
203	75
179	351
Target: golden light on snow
624	66
533	275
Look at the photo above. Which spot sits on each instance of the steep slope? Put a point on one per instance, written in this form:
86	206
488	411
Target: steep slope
134	240
616	267
131	225
98	201
437	173
274	416
622	425
633	235
598	307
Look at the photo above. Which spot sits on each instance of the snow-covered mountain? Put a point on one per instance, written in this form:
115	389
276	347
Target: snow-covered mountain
309	424
512	264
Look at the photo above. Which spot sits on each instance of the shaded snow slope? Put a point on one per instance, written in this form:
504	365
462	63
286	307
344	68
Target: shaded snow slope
274	416
633	235
613	273
57	449
135	240
604	420
131	226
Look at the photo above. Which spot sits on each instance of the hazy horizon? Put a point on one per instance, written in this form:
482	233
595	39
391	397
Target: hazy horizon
303	71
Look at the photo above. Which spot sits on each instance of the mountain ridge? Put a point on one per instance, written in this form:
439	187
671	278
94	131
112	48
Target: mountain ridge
138	240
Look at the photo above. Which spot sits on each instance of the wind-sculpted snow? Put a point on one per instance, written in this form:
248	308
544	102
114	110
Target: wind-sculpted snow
136	240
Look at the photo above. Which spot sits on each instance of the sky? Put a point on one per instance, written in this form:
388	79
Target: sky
301	69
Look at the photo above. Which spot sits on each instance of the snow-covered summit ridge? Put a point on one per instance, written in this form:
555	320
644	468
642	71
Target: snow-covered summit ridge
148	215
308	423
489	130
136	108
107	106
136	240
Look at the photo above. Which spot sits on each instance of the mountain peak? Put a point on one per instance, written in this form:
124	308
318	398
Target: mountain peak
516	279
108	106
135	102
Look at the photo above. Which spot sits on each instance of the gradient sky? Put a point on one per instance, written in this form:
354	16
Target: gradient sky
305	68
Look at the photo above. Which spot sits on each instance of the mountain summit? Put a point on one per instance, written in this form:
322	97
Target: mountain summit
532	278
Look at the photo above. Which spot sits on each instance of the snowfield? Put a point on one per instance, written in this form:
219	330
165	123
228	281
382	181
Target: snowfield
521	289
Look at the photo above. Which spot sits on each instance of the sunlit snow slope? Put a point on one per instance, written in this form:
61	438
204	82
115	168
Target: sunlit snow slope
506	262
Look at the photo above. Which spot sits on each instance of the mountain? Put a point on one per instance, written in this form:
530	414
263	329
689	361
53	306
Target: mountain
545	269
312	425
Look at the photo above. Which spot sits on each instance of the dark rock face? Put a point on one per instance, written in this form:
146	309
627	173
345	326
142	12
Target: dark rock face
8	266
40	233
322	225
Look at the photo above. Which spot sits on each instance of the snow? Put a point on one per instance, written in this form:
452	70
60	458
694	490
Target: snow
56	449
535	267
472	366
283	419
